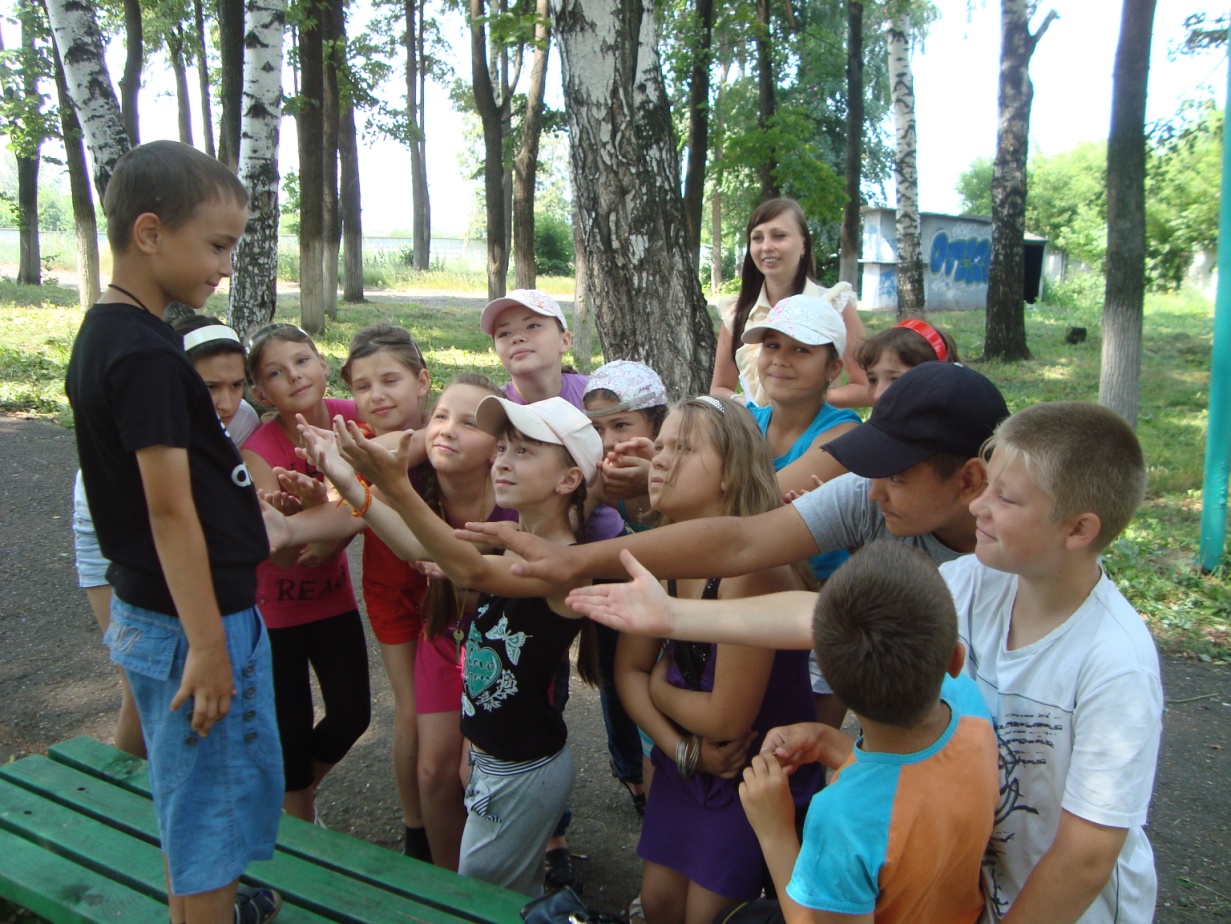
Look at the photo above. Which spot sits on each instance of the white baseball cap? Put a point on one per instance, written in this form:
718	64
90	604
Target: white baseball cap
551	421
536	301
635	385
806	318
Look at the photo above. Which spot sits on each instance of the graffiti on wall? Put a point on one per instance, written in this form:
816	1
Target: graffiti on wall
965	260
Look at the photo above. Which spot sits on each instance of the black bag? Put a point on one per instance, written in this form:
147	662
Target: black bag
564	907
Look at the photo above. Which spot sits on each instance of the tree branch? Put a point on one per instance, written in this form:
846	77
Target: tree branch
1033	40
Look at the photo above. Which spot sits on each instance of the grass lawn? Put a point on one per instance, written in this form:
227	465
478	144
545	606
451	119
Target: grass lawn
1152	562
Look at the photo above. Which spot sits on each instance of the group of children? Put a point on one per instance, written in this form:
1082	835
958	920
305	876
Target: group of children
1023	652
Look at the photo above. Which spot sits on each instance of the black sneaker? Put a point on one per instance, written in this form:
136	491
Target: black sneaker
255	905
559	871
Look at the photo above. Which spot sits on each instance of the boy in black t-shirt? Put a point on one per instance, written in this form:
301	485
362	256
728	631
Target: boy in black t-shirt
177	516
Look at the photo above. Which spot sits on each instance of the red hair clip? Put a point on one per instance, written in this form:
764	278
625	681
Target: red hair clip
928	333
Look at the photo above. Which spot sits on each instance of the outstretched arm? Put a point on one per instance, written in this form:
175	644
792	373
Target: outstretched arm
781	620
705	548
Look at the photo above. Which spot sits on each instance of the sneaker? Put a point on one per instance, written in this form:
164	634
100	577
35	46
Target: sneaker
635	913
559	871
255	905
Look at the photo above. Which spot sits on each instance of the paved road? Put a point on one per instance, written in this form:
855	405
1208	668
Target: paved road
55	683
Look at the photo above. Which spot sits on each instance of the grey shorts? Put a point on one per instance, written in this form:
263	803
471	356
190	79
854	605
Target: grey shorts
91	566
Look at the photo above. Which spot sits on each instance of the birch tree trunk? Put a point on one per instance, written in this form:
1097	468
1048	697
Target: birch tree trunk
1120	379
639	273
525	166
583	347
80	46
415	74
254	286
134	61
848	254
350	203
1005	338
85	222
207	118
905	171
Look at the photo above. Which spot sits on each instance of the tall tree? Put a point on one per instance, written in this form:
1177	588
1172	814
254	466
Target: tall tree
254	285
765	96
1120	379
350	205
1006	314
310	123
85	221
176	48
698	120
493	98
626	192
334	48
525	165
202	59
416	75
848	259
134	62
231	51
906	171
80	46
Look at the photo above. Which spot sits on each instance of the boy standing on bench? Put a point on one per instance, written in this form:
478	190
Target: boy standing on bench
177	516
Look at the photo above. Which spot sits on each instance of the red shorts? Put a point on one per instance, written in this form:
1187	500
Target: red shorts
438	675
395	612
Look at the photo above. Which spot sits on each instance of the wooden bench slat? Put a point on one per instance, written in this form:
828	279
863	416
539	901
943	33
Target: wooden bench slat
65	893
468	898
327	891
90	848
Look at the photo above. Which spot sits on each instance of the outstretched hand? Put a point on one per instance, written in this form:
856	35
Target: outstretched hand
625	471
792	496
277	530
541	559
382	466
641	606
306	490
765	794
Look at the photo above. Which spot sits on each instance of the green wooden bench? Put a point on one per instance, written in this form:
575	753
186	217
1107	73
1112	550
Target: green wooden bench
78	843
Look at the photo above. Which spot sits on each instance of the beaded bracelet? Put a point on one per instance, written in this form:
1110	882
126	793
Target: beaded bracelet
367	500
687	753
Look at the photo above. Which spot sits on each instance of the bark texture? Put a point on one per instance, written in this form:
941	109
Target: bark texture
80	46
906	172
254	285
30	269
698	122
311	130
1120	378
134	61
1006	306
848	254
85	222
175	48
525	165
416	70
231	50
334	47
207	117
493	111
640	276
351	207
765	96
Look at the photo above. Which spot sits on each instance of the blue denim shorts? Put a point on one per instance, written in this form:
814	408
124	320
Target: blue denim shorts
218	798
91	565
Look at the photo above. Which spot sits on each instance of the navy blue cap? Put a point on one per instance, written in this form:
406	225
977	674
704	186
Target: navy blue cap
934	407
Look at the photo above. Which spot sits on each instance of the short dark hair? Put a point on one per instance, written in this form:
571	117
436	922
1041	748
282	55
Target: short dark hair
945	464
384	338
885	629
169	179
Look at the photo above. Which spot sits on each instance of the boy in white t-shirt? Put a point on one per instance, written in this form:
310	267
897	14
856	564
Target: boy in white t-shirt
1066	666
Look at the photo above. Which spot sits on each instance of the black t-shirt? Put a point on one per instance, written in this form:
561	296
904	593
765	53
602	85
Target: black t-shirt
512	651
132	387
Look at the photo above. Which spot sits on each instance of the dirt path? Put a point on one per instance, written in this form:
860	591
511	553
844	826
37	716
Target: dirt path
55	682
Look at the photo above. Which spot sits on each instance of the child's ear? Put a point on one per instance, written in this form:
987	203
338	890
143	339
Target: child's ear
957	661
566	341
836	365
425	382
147	230
972	479
1083	531
570	481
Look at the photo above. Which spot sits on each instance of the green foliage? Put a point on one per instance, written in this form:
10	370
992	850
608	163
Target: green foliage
289	203
553	246
1182	192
